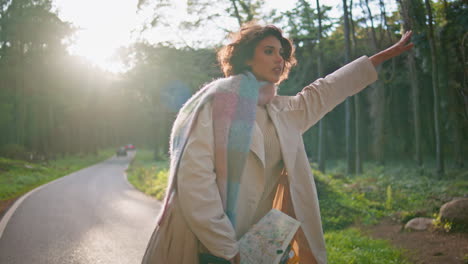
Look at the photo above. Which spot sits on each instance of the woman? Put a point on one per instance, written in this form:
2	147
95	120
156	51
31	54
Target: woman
237	150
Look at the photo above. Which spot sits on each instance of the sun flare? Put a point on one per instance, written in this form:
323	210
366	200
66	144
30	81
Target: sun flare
102	28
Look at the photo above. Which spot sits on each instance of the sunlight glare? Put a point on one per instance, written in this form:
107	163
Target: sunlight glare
103	27
106	25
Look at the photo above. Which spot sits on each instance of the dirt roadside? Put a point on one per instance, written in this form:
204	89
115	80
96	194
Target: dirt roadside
5	205
423	247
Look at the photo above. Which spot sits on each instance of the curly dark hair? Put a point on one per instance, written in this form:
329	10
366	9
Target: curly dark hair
234	56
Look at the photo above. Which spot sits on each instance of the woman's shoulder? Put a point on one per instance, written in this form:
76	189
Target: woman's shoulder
205	115
282	103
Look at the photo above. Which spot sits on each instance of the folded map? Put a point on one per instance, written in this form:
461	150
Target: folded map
267	240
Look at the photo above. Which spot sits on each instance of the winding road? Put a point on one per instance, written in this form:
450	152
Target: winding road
88	217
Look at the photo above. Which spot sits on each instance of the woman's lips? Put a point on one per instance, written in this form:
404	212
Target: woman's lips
277	70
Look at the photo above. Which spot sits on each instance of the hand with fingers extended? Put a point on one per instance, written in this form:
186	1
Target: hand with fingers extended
396	49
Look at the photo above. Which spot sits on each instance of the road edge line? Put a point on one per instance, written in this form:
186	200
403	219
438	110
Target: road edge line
9	213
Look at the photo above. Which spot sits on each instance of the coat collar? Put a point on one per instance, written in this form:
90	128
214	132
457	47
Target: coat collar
288	139
257	146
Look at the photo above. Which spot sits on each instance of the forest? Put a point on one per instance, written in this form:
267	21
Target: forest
53	104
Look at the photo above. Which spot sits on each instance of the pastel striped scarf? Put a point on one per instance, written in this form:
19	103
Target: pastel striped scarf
234	101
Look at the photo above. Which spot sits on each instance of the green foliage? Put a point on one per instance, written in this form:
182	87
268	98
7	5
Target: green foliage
18	177
389	201
351	247
147	175
441	224
449	226
396	190
38	77
344	202
14	151
244	11
336	211
152	181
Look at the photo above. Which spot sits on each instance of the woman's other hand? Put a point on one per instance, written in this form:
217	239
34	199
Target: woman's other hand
235	259
398	48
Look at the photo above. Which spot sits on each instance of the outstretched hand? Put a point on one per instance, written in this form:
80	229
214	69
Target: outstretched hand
396	49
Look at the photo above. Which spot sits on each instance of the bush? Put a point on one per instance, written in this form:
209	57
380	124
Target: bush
158	185
397	190
148	175
14	151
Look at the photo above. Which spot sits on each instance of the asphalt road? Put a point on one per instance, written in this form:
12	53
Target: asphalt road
90	216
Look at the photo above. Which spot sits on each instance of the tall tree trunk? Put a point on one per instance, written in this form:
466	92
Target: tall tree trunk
307	15
373	34
435	89
50	145
411	62
357	108
349	144
353	30
236	12
454	104
357	115
408	24
21	107
377	102
322	124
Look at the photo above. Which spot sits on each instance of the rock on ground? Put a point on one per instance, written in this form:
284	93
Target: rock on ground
419	224
455	211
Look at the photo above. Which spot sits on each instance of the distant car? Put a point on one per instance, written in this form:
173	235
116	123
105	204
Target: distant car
122	151
129	147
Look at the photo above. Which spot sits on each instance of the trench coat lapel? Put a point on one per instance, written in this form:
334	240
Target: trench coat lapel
288	139
257	144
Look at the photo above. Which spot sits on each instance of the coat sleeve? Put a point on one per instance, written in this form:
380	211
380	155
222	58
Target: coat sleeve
321	96
198	192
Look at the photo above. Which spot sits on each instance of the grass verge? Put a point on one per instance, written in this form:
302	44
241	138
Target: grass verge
351	247
147	175
18	177
400	191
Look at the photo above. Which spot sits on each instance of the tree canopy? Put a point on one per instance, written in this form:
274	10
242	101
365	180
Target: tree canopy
53	103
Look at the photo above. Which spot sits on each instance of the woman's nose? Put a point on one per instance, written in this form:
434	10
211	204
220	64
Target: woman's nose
279	58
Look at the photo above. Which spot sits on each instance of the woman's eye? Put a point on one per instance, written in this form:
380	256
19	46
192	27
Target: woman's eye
268	52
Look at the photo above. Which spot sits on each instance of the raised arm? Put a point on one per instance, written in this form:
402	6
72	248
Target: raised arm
321	96
396	49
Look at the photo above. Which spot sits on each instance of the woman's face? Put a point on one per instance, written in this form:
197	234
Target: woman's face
267	63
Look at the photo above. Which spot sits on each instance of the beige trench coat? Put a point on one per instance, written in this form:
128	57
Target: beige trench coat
195	219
